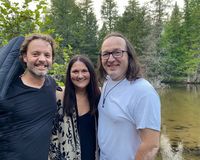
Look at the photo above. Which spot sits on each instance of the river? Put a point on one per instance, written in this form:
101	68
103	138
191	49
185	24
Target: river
180	133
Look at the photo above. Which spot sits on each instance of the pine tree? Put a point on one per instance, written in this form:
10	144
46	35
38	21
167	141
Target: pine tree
109	14
191	29
88	33
173	64
65	20
154	58
134	25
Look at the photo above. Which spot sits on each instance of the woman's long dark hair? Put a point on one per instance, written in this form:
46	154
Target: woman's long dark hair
93	91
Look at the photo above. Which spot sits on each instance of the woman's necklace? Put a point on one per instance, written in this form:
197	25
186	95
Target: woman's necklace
106	94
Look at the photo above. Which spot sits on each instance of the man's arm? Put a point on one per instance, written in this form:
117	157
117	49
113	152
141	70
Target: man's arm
149	144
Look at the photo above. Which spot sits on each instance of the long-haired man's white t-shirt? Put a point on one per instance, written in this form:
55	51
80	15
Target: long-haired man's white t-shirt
128	106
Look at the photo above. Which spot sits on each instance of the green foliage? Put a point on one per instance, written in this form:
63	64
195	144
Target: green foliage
16	20
64	17
58	71
102	33
109	14
191	41
76	24
88	43
134	25
159	11
180	41
173	54
154	51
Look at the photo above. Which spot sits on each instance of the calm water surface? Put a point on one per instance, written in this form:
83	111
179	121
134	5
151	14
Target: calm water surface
180	138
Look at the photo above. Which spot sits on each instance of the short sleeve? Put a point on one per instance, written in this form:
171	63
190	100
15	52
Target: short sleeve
147	112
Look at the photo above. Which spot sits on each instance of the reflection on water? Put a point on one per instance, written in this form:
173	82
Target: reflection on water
167	151
180	123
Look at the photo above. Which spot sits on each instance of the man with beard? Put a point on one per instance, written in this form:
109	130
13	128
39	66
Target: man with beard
30	103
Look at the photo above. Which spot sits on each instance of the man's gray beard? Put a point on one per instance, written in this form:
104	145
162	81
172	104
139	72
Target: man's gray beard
38	74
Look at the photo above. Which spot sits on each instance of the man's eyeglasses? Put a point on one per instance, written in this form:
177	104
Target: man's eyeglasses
116	54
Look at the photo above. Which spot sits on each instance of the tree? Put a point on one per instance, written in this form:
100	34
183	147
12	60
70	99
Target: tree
16	20
174	57
101	34
109	14
134	25
154	51
191	29
64	18
89	26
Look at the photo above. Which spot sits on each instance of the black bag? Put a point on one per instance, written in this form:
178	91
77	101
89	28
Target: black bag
10	66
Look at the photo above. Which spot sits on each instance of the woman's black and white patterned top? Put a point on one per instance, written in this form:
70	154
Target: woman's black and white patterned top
65	143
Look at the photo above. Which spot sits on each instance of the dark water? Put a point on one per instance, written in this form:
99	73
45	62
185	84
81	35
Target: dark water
180	134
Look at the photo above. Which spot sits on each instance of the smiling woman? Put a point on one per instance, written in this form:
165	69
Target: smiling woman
74	132
80	75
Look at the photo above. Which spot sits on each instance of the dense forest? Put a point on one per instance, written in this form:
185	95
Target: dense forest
167	43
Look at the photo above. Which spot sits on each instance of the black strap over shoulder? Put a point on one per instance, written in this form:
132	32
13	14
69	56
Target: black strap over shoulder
10	66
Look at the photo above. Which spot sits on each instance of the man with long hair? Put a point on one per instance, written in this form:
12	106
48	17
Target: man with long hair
129	108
